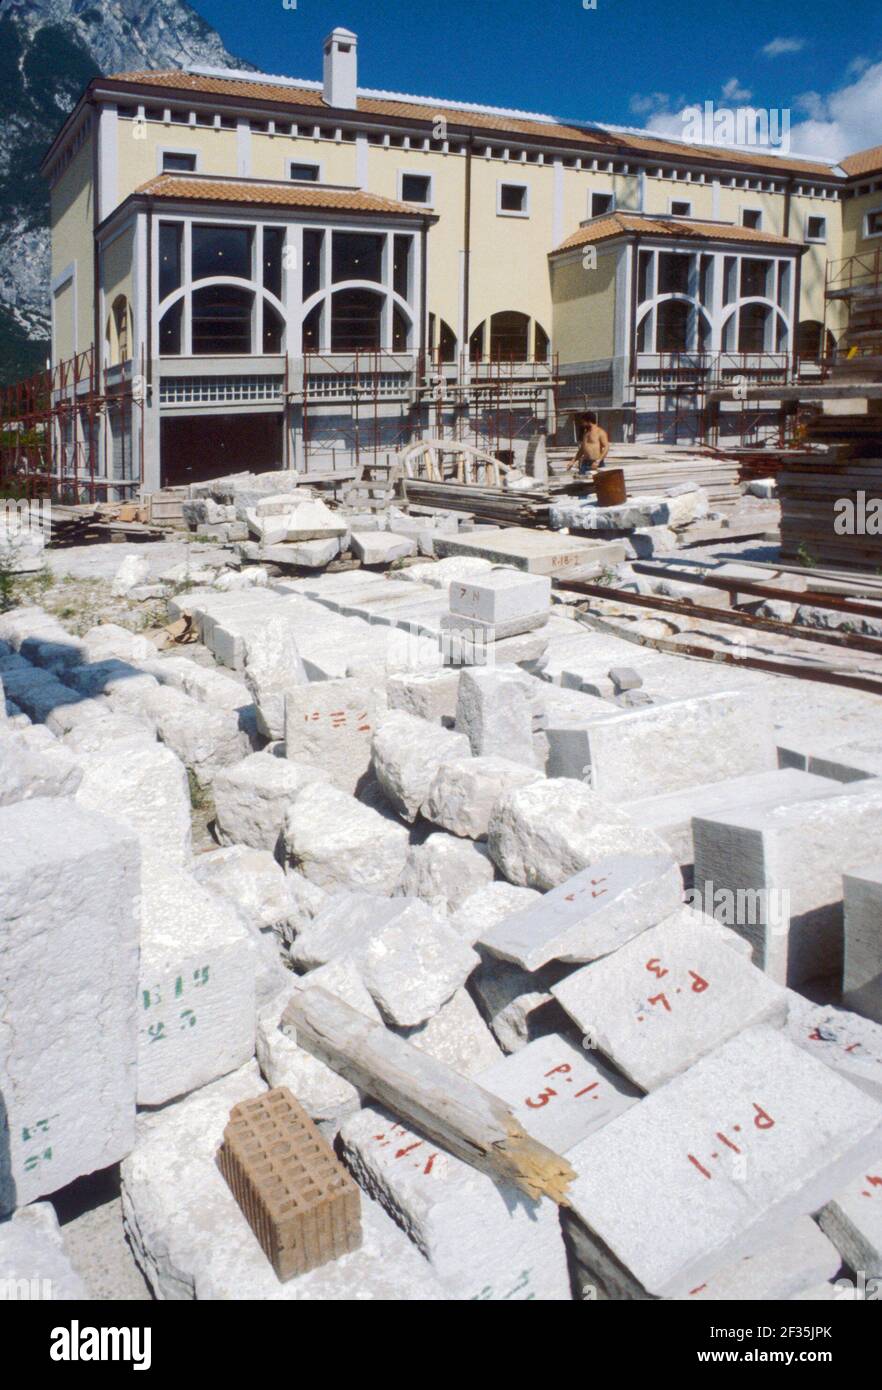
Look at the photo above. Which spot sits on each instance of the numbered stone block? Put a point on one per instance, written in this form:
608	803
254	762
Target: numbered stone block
666	999
69	884
560	1093
336	842
196	992
844	1041
787	863
594	912
862	978
716	1165
542	834
191	1240
464	791
483	1240
252	797
405	755
34	1263
331	724
853	1221
503	603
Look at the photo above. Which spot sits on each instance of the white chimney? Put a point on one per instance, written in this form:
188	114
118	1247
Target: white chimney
340	73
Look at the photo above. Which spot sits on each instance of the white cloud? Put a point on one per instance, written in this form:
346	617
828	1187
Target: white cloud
651	102
733	90
775	47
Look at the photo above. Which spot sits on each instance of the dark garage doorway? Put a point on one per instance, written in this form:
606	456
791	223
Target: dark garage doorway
195	447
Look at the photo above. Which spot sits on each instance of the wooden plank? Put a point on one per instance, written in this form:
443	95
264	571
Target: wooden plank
472	1123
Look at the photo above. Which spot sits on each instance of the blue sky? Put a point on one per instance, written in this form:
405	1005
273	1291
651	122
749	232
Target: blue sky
628	61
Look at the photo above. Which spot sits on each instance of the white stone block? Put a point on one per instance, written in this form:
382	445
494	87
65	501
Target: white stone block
68	980
26	771
405	754
342	928
336	842
272	668
464	791
381	547
440	574
844	1041
862	977
458	1036
594	912
507	602
787	862
253	882
204	739
799	1261
486	906
444	870
430	695
305	901
196	996
540	835
143	785
134	570
192	1241
717	1164
331	724
252	797
414	965
34	1263
494	711
483	1240
517	1006
853	1222
558	1092
666	999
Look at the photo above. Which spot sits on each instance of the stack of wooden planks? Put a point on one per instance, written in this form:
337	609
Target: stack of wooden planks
653	468
827	512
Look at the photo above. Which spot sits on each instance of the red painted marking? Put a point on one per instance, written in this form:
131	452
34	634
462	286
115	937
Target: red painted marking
701	1169
585	1089
728	1142
417	1144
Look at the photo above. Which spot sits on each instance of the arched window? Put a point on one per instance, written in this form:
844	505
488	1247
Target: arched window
170	330
273	328
542	343
117	332
672	326
509	336
312	328
356	320
446	342
222	319
753	328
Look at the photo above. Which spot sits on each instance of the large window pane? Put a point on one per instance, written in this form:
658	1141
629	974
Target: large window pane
313	242
170	330
273	241
170	234
399	330
357	256
273	329
222	251
752	328
401	265
672	330
755	278
355	320
509	336
312	328
673	273
222	319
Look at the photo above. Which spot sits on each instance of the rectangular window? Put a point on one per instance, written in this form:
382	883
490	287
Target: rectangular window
222	251
602	203
673	273
356	256
513	200
303	173
416	188
816	229
755	279
401	265
273	242
644	277
752	217
680	208
313	241
874	223
170	237
730	280
178	162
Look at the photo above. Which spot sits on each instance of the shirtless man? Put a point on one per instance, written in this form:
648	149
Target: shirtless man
593	446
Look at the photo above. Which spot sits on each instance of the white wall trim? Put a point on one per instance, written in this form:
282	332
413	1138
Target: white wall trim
243	149
162	150
512	183
108	136
417	174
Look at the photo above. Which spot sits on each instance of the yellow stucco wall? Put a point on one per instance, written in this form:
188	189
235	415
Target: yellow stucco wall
584	307
71	220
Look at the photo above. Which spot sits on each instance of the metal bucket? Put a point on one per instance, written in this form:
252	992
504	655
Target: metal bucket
609	486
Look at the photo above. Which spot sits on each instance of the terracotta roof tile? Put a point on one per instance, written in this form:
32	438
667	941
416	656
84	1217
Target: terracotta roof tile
864	162
677	228
594	137
196	188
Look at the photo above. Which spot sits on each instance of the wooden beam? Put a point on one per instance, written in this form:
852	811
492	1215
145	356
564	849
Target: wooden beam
470	1122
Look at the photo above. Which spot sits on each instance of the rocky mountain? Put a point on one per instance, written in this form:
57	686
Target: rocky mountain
49	50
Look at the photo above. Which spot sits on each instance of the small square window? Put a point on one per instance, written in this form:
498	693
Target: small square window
816	229
751	217
874	223
303	173
416	188
680	208
513	198
602	203
175	162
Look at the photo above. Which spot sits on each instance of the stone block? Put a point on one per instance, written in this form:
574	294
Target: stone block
143	785
204	739
494	711
252	881
381	547
787	863
196	995
336	842
716	1165
134	570
27	771
543	834
343	926
862	977
517	1006
853	1222
330	724
592	913
192	1241
666	999
34	1263
456	1035
69	883
844	1041
560	1093
503	603
483	1240
444	870
430	695
273	668
799	1260
405	754
252	797
486	906
464	791
412	966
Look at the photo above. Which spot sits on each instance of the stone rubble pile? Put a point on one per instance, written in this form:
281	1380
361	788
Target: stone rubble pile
489	858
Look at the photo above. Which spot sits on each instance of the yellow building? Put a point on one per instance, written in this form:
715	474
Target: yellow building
288	272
